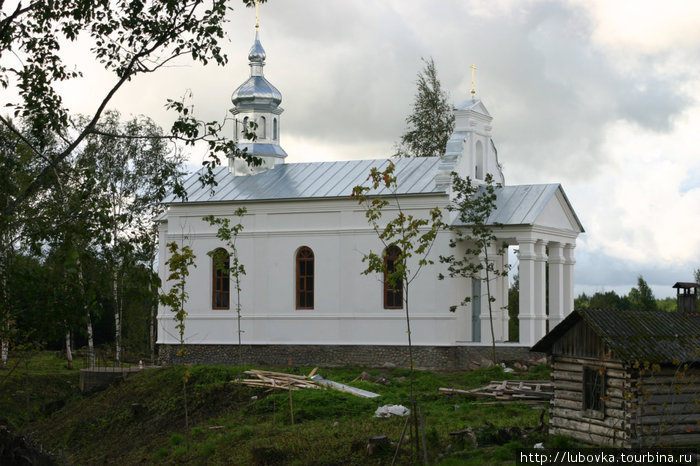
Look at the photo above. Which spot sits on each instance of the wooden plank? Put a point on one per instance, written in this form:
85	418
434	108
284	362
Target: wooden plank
671	409
574	360
588	437
666	429
454	390
611	431
617	415
572	404
677	440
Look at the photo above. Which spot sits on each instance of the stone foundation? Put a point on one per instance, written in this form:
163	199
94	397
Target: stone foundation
425	357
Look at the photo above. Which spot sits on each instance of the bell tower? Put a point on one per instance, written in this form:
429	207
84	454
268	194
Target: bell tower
257	101
470	151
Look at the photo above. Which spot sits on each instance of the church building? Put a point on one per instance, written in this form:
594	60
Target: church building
304	299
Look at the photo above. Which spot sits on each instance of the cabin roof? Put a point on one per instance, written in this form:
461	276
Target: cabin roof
636	336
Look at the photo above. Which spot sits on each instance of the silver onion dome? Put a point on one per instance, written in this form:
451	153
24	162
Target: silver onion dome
257	52
256	91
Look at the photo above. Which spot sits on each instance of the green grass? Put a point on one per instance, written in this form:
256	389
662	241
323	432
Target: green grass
34	384
235	424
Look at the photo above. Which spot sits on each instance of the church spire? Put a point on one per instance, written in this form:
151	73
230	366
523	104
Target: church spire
257	101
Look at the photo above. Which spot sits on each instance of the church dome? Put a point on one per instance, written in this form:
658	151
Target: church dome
257	52
256	91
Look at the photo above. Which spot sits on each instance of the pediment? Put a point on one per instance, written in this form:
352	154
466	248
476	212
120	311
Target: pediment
557	213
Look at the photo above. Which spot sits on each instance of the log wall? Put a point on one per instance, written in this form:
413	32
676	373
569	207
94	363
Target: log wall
666	407
641	409
566	413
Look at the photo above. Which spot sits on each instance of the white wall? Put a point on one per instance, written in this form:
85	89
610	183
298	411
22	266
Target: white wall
348	306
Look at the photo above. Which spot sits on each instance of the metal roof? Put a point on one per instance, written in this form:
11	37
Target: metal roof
256	91
636	336
522	204
311	180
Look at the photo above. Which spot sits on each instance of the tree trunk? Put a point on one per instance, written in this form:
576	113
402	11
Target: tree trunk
88	318
4	313
5	350
488	296
152	323
117	318
69	352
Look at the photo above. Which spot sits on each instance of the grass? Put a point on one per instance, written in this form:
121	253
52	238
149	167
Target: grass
234	424
33	385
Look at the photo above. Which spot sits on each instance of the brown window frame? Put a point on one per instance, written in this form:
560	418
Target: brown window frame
391	295
304	277
593	392
221	281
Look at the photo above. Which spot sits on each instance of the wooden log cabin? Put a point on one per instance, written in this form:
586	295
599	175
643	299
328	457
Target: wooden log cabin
626	378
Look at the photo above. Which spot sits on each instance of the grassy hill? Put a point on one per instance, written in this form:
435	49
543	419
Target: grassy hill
142	419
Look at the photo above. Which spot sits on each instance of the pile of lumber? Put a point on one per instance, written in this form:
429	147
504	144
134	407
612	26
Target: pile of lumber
511	390
278	380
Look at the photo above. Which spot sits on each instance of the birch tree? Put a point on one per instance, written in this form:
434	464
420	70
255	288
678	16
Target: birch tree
129	38
133	172
431	121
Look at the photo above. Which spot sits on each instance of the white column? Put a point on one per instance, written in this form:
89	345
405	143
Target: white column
540	290
569	262
556	284
526	315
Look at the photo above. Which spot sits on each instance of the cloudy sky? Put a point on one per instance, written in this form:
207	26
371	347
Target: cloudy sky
600	96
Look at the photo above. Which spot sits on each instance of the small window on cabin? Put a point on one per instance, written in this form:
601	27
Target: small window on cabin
393	293
593	391
305	278
262	128
274	129
220	279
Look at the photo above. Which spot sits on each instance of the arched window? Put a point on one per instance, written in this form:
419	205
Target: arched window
220	279
245	128
274	129
479	169
262	128
393	294
305	278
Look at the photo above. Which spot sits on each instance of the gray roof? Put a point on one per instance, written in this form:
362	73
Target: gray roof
522	204
311	180
515	205
632	336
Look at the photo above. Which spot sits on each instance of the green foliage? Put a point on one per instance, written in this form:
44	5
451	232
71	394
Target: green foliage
514	309
179	263
127	38
667	304
431	122
642	298
176	439
602	300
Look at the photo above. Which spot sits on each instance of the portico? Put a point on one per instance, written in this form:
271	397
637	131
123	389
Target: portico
539	221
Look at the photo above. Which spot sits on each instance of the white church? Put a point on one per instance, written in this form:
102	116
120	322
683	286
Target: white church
304	298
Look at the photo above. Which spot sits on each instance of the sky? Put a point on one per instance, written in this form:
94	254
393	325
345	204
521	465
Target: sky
602	96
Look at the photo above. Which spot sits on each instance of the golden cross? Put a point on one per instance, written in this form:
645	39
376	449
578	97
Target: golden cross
257	18
473	67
